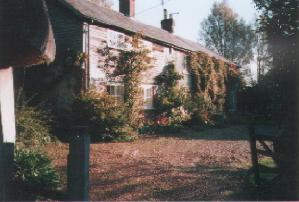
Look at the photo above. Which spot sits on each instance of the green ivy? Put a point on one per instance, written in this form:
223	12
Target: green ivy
210	83
171	100
129	66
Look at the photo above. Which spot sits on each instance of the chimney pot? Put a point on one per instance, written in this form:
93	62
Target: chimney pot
165	14
127	7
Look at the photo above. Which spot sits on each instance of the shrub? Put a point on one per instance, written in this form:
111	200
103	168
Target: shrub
171	100
178	116
200	113
33	174
103	114
168	95
167	99
33	127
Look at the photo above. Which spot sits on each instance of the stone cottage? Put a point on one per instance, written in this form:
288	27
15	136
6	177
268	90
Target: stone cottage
82	26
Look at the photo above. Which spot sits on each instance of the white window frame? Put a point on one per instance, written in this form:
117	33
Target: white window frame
118	91
148	96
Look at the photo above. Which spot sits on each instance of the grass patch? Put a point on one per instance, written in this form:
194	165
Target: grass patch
267	162
267	168
124	139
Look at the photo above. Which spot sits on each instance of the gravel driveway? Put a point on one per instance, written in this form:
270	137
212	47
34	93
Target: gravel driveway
207	165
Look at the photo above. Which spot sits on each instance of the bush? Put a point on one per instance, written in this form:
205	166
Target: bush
33	174
166	99
33	127
173	105
178	116
171	100
103	114
200	115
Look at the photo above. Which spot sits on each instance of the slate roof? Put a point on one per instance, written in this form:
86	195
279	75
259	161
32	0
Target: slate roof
113	18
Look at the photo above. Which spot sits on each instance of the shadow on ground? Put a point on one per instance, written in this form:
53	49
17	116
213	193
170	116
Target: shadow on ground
201	182
235	133
142	181
189	166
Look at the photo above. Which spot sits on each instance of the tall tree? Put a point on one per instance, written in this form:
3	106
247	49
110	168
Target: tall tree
227	34
263	57
279	22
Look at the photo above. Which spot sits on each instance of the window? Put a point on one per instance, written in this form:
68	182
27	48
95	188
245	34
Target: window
116	91
148	96
116	40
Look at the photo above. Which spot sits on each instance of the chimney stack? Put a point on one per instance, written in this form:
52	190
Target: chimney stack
127	7
167	23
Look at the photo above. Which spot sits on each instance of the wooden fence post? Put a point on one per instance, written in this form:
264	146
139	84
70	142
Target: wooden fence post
254	157
78	165
6	168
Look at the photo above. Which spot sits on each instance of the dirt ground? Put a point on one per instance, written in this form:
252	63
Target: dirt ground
207	165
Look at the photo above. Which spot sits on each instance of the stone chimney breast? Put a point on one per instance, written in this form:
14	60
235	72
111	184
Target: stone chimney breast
127	7
167	23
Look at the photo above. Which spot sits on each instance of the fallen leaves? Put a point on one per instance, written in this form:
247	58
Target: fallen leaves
166	168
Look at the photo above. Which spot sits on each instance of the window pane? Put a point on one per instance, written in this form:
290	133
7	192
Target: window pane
148	97
120	90
108	90
112	90
149	93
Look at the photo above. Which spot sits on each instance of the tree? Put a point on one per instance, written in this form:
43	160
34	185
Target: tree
227	34
279	22
263	57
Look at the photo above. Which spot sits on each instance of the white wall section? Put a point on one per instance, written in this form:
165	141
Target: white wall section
7	106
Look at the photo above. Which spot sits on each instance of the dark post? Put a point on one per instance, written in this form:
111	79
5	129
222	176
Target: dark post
78	165
254	157
6	168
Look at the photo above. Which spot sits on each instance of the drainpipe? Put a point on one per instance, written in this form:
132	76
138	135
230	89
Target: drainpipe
86	64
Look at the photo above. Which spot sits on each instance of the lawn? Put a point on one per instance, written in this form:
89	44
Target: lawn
207	165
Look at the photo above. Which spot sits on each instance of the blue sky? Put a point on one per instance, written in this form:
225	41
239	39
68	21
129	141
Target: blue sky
192	12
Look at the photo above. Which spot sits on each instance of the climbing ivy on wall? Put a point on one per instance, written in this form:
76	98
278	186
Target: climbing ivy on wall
128	66
209	83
